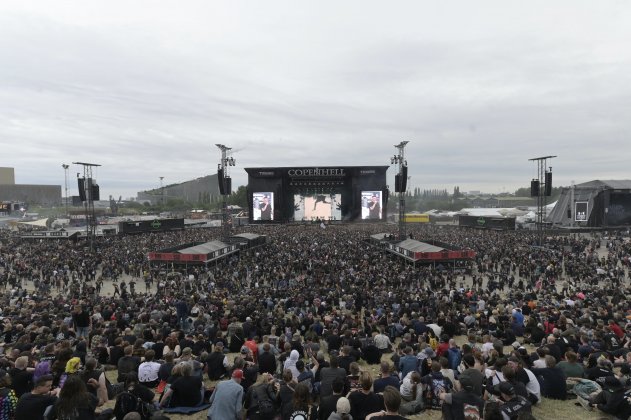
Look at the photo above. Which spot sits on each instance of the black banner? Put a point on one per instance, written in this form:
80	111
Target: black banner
155	225
486	222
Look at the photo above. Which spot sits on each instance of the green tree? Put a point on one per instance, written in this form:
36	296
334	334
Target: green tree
239	197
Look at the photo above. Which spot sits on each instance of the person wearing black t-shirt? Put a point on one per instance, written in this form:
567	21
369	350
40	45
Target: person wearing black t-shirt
266	209
21	377
392	402
600	372
32	405
328	403
185	391
387	378
364	401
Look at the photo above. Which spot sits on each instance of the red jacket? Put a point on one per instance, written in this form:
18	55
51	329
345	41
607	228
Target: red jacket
616	329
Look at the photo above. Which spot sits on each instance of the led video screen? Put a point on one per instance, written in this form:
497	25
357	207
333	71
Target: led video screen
263	206
318	206
371	205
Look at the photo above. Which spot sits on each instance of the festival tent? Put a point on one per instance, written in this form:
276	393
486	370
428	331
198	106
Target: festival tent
38	223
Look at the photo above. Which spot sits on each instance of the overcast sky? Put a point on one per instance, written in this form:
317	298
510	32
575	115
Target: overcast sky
146	89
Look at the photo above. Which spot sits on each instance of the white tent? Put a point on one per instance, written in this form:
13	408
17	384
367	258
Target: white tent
39	223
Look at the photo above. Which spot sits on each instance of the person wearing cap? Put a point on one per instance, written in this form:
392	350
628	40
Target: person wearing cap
455	404
226	402
473	371
512	404
342	410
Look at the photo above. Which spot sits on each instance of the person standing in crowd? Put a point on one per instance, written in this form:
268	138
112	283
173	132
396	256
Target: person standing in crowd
266	360
81	321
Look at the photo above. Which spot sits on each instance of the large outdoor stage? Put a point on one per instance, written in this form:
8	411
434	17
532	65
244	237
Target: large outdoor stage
347	193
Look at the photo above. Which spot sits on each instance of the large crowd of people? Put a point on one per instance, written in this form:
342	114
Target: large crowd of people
287	329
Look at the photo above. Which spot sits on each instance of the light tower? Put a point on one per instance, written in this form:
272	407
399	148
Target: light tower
400	184
225	187
65	166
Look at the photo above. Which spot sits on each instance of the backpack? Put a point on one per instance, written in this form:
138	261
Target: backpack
128	402
265	406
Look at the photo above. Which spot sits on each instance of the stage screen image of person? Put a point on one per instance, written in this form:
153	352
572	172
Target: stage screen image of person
263	206
371	205
323	206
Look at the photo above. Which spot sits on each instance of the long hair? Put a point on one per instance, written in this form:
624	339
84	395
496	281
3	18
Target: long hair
73	395
301	397
415	379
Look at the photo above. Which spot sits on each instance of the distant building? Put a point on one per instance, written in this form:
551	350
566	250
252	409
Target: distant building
198	190
482	202
45	195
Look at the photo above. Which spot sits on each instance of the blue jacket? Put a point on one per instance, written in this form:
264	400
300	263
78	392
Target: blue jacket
407	364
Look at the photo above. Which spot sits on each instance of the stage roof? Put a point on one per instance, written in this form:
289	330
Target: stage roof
199	253
249	236
416	246
622	184
204	248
